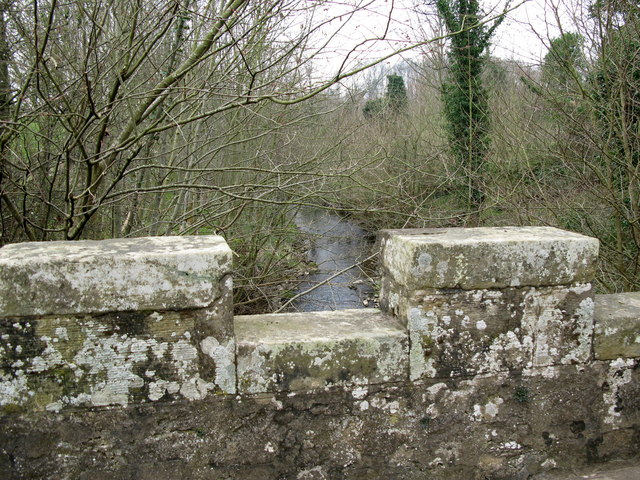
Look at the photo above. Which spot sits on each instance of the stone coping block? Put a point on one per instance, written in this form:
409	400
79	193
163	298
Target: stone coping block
617	332
307	351
476	258
152	273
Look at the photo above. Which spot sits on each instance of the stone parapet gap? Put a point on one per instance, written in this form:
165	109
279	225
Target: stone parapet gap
472	375
308	351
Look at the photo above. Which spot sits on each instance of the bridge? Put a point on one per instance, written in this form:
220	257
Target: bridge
490	357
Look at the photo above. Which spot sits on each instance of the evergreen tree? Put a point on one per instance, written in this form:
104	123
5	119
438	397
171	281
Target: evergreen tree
564	63
396	93
464	95
394	101
616	81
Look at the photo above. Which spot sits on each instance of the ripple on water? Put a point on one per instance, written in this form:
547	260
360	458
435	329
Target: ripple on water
336	244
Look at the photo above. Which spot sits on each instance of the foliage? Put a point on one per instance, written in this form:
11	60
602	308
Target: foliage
522	394
577	144
153	118
394	101
396	93
464	95
375	108
615	86
564	63
122	119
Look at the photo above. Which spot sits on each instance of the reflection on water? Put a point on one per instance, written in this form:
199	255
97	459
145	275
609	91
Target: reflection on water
335	244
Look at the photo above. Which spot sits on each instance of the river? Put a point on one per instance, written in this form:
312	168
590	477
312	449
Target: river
334	245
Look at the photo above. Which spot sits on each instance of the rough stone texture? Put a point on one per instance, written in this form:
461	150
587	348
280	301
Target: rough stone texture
477	258
154	273
466	332
506	426
114	358
502	383
616	470
487	300
617	332
305	351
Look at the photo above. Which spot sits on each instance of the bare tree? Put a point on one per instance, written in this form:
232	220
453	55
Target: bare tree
152	117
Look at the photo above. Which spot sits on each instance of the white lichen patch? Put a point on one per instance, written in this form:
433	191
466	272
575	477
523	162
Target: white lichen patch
158	389
14	389
359	392
110	361
390	406
315	473
489	411
61	333
195	388
619	374
50	358
423	264
433	390
423	327
224	356
512	445
559	336
583	331
97	368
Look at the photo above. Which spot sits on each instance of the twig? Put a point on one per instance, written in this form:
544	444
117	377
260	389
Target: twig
323	282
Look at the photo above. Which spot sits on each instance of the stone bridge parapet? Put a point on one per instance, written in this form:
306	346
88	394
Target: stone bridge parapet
490	357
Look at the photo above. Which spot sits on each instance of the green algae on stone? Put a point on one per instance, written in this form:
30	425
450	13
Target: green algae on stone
617	333
306	351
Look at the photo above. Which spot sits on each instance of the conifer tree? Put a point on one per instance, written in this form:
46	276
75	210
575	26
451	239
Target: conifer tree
394	101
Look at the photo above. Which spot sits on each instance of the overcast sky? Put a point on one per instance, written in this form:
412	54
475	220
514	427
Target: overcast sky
523	36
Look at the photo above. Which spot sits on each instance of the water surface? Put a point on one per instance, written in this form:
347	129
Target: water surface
335	244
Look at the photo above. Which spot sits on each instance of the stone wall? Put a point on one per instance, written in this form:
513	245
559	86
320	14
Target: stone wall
491	358
88	324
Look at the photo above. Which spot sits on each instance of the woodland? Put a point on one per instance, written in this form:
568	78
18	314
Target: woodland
187	117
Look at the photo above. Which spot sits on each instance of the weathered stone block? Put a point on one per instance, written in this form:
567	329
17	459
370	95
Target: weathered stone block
157	273
617	332
469	332
477	258
172	338
114	359
306	351
484	300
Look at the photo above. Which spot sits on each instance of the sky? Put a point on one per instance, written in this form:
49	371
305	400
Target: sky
523	36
